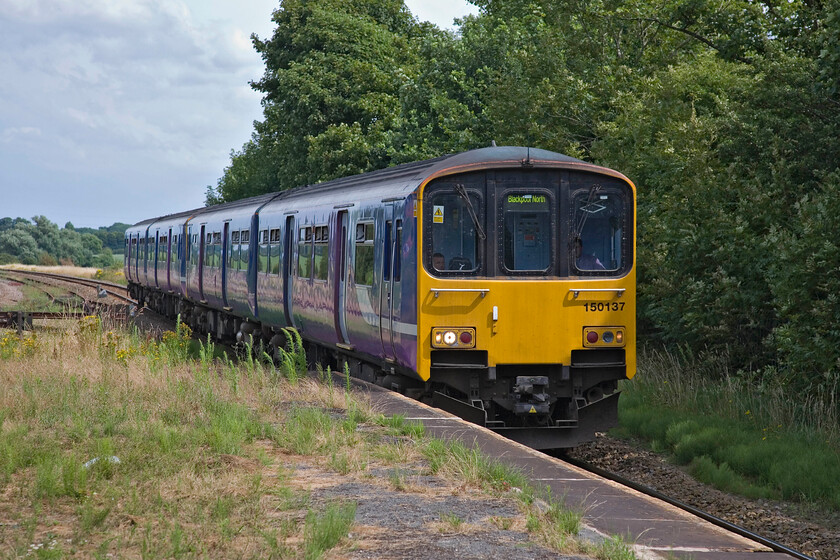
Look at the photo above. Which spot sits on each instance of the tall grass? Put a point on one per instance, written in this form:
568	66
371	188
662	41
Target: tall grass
99	427
758	440
135	446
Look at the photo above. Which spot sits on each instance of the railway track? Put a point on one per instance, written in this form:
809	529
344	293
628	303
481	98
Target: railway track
76	304
713	519
117	291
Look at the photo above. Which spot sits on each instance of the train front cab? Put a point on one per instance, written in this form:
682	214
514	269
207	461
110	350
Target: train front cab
526	290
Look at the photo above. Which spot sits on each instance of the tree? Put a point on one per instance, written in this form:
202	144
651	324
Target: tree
333	73
20	243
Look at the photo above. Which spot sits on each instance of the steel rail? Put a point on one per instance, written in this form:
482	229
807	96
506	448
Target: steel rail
717	521
89	282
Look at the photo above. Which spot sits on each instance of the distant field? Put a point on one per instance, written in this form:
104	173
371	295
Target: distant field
114	275
82	272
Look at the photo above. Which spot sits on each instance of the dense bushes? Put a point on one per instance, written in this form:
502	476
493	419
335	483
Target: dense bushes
43	243
725	116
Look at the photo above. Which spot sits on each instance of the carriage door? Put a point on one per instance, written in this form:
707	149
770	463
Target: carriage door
135	244
183	257
223	264
288	268
202	250
386	293
156	260
169	258
340	282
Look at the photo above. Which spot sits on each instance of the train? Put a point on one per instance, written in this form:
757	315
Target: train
497	284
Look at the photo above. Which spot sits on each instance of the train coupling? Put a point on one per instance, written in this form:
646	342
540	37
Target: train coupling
530	396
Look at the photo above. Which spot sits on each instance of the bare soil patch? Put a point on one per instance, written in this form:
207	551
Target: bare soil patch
10	293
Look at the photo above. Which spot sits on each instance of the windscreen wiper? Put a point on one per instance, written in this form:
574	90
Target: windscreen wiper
462	192
585	210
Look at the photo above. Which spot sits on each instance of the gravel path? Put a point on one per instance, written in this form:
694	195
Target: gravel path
815	533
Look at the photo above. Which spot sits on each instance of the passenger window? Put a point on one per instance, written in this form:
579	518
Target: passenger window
244	239
386	266
321	252
455	244
233	253
598	230
526	242
217	249
304	269
398	253
275	251
363	269
263	267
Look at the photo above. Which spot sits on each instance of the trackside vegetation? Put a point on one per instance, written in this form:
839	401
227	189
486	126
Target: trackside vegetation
41	242
725	115
735	433
117	443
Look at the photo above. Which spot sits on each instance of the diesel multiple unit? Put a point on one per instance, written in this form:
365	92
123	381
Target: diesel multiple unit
498	284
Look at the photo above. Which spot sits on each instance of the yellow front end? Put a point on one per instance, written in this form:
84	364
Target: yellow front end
533	321
527	299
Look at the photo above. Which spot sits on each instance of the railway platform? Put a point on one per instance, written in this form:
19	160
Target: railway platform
657	529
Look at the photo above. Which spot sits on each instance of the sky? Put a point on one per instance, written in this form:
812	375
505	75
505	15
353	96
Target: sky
122	110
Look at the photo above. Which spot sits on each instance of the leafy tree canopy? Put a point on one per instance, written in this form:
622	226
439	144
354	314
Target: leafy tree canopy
726	116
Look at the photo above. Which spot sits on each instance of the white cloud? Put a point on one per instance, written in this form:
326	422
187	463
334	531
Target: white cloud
20	134
133	95
118	110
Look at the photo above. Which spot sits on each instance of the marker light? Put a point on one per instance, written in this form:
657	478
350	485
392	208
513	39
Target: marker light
453	337
601	337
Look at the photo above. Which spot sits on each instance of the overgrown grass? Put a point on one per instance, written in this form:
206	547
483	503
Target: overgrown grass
114	443
757	441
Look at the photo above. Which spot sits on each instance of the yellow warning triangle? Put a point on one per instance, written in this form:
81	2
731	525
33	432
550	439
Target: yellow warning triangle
439	212
532	411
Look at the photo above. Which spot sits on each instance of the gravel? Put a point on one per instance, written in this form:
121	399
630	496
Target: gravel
417	524
812	532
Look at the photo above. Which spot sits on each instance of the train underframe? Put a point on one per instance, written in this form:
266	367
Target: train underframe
543	406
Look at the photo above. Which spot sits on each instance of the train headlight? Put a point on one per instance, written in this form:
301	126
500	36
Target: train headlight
455	337
599	337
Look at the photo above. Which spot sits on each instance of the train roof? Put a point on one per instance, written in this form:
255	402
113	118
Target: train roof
408	175
414	173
